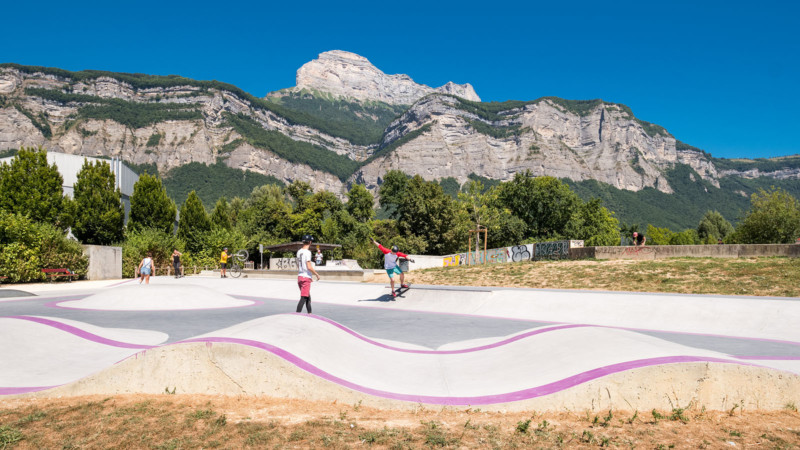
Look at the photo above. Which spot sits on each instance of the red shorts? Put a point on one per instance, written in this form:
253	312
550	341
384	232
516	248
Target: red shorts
305	286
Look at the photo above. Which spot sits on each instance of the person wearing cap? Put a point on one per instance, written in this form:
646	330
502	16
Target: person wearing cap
223	262
639	239
305	269
390	258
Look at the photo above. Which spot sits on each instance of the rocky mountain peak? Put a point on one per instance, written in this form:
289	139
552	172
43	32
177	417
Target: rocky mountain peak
347	74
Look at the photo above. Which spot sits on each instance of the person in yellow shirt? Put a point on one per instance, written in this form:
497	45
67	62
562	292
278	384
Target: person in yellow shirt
223	262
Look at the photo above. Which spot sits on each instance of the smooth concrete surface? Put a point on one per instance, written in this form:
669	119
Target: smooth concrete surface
502	348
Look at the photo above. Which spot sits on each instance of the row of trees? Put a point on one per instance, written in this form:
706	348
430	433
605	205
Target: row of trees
420	217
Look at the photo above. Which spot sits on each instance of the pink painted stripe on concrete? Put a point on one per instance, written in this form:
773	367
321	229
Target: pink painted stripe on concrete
519	319
80	333
439	352
524	394
23	390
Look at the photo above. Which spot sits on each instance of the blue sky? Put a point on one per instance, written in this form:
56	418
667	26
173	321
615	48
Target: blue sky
722	76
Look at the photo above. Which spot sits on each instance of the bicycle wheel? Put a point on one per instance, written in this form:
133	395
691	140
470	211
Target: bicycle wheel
242	255
236	271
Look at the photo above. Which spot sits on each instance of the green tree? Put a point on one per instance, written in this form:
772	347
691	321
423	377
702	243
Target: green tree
392	191
221	216
317	208
427	212
774	218
658	236
266	216
28	185
150	205
99	215
359	203
193	222
546	204
478	204
299	191
713	227
596	225
237	205
685	237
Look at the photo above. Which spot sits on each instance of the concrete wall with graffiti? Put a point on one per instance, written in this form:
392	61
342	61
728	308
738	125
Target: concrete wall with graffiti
491	256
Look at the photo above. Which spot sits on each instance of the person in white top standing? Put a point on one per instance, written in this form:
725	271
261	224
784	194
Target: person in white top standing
146	268
305	268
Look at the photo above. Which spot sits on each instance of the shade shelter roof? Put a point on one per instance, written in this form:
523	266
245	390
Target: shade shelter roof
294	246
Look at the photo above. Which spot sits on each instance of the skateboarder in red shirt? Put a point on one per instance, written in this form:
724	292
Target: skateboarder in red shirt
390	258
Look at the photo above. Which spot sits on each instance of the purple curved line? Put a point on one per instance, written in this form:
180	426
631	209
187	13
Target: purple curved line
438	352
81	333
55	304
23	390
447	313
523	394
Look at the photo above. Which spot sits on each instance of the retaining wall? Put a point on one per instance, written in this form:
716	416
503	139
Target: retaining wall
105	263
697	251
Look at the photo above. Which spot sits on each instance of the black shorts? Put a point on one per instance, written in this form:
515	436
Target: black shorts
223	265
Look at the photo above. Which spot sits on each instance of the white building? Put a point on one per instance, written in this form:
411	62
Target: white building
69	166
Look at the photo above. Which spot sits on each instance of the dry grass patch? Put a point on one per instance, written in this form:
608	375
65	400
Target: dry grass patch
726	276
192	421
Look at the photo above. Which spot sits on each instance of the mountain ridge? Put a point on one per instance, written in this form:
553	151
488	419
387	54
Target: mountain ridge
333	141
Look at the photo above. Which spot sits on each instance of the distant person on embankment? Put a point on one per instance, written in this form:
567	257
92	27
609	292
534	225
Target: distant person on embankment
305	268
639	239
390	258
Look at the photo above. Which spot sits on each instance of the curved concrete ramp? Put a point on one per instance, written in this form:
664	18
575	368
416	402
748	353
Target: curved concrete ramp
566	366
155	297
37	352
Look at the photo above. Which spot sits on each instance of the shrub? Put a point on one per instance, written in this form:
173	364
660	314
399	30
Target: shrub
140	242
27	247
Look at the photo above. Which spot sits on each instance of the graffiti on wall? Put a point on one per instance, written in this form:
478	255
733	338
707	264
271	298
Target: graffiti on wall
492	256
520	252
551	250
283	263
452	260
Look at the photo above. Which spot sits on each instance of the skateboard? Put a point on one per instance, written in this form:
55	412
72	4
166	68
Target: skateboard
402	290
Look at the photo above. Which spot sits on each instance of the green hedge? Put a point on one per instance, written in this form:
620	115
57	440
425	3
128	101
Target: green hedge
27	247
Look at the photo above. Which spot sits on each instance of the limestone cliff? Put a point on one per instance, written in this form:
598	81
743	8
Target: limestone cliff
172	121
349	75
604	143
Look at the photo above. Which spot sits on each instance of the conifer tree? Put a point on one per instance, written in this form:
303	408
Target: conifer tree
150	206
99	215
221	216
193	222
30	186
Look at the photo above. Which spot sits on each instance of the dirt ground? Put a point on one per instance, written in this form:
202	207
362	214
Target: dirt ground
196	421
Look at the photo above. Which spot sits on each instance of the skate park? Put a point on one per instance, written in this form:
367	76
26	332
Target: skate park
494	348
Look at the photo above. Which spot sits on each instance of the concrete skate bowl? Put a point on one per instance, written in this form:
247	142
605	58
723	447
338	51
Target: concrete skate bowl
559	367
11	293
154	297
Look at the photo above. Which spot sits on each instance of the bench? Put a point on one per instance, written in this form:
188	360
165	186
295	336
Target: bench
53	273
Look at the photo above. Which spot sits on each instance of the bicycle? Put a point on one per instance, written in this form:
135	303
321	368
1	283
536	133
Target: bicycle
238	258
